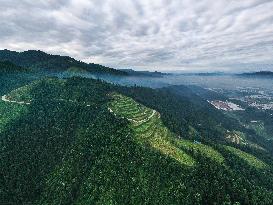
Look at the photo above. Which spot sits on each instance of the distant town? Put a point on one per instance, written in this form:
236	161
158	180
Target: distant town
227	106
241	98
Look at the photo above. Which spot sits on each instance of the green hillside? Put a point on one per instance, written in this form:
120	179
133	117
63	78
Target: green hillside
84	141
76	70
148	128
7	67
38	60
9	113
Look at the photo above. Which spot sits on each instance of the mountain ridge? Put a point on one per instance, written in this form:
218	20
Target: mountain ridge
257	74
36	59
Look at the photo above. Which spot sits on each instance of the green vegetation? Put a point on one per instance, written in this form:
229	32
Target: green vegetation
149	128
258	126
9	113
250	159
38	60
202	149
7	67
236	137
76	70
260	129
182	111
83	141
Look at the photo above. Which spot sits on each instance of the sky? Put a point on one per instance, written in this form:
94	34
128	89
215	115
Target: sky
164	35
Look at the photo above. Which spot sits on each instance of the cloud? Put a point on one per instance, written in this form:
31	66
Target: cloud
155	34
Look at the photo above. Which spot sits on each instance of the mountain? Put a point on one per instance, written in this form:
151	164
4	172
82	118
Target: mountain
203	74
38	60
144	73
85	141
8	67
260	74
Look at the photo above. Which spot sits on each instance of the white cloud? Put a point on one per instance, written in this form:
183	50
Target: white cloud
160	34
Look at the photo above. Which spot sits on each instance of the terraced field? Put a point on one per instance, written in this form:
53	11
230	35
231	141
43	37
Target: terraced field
149	128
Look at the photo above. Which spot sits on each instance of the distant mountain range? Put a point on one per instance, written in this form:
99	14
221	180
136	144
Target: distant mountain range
35	59
144	73
204	74
39	60
13	61
264	74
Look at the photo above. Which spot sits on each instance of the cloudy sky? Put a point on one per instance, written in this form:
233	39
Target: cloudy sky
145	34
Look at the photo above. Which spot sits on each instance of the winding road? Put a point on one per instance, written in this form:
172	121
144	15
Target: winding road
5	99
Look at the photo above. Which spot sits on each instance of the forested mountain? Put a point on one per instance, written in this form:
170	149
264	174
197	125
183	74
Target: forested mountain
8	67
84	141
38	60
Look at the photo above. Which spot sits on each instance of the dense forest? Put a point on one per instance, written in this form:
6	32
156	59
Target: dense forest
7	67
85	141
37	60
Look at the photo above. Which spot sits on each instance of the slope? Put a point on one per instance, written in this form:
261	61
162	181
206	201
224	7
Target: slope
81	141
38	60
7	67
